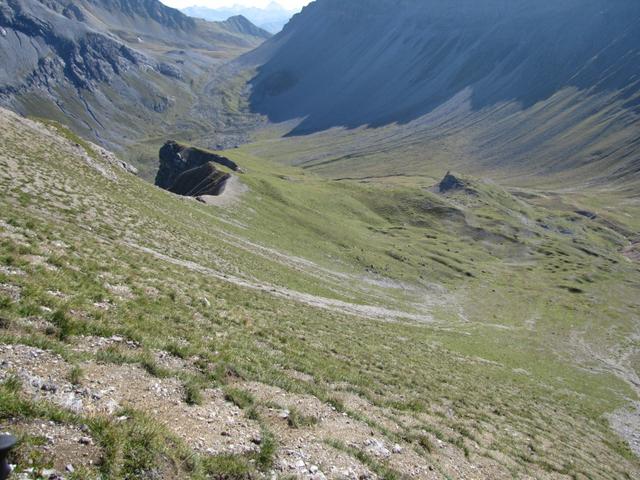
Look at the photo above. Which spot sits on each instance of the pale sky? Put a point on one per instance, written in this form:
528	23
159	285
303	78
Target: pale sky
288	4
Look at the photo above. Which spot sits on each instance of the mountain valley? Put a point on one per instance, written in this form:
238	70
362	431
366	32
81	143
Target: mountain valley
397	240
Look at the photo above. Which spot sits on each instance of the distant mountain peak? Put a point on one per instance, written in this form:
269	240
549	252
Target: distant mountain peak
242	24
271	18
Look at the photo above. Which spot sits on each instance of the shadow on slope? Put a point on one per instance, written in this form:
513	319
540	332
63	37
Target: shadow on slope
379	62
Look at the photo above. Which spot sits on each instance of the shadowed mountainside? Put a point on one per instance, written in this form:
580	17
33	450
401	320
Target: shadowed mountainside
543	88
377	62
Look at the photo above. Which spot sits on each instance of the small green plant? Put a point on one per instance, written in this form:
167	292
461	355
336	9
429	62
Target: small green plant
29	309
76	374
296	420
233	467
113	354
240	398
60	319
8	260
178	350
268	447
252	413
193	393
426	443
12	384
5	302
337	404
149	363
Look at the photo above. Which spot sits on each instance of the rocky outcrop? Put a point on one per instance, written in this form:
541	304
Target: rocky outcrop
199	181
451	182
192	171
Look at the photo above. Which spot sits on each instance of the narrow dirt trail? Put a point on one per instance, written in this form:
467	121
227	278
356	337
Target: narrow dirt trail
367	311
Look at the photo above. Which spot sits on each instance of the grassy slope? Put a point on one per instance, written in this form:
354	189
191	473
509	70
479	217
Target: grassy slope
510	368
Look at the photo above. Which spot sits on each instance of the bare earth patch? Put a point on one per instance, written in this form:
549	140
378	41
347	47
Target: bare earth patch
632	252
626	422
215	426
64	447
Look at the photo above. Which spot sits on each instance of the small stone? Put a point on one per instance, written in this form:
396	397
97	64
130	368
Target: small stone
112	406
397	448
49	387
313	469
69	468
284	414
300	464
86	440
256	440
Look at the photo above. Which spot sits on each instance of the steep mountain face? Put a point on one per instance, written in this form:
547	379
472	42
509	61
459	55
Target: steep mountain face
351	63
114	70
271	18
384	61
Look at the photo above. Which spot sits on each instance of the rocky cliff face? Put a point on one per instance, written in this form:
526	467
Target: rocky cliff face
192	171
42	49
203	180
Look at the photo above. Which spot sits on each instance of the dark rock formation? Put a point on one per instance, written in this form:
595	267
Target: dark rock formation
450	182
587	214
203	180
191	171
169	70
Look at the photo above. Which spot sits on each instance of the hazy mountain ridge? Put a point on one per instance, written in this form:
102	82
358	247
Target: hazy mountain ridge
271	18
